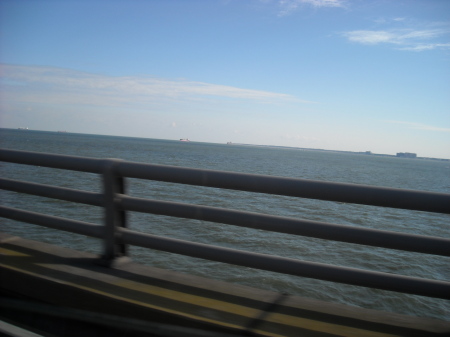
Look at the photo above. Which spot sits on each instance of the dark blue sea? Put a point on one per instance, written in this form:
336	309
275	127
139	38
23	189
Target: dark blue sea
419	174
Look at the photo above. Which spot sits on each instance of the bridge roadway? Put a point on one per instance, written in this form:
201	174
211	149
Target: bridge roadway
129	293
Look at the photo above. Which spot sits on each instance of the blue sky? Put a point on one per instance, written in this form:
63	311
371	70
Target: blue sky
356	75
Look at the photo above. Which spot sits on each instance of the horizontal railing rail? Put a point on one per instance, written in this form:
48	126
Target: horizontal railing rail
359	277
316	229
294	187
61	193
73	163
116	203
55	222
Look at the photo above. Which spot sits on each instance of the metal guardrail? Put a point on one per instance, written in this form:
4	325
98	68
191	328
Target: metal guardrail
116	236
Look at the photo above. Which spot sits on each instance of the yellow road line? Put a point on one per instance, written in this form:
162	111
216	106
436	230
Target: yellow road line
4	251
191	299
309	324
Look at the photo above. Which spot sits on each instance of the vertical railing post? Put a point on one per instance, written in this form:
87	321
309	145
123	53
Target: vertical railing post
114	217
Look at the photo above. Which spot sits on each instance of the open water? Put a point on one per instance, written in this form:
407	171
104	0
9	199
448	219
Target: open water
428	175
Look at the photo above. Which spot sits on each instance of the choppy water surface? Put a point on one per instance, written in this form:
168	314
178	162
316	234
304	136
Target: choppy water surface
360	169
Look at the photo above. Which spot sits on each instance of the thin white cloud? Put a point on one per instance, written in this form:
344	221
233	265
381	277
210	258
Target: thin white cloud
69	85
369	37
430	46
419	126
289	6
404	39
392	36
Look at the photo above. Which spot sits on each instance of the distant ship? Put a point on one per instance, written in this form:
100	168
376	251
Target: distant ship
185	140
22	128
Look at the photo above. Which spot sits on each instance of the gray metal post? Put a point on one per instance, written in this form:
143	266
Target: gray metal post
113	184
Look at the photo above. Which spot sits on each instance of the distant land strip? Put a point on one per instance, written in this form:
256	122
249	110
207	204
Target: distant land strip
335	151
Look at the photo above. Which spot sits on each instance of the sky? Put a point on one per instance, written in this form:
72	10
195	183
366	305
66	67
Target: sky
352	75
